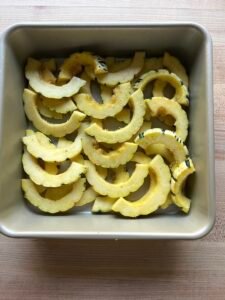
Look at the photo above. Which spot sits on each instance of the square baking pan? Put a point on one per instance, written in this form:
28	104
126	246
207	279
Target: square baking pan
189	42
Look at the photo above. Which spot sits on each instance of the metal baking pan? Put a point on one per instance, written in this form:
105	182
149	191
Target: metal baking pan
190	42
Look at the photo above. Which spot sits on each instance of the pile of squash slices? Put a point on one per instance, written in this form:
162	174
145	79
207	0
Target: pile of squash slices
103	147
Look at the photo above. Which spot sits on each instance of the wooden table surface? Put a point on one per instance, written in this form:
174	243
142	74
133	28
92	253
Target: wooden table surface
69	269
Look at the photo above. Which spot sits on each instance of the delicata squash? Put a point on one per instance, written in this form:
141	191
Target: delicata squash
181	94
163	106
47	89
111	159
90	107
165	137
179	176
53	206
72	65
39	176
57	130
123	134
126	74
57	153
105	188
154	197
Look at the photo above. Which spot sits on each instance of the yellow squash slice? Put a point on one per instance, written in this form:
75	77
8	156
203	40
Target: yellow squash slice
72	65
62	106
164	107
123	134
111	159
88	196
122	189
41	177
179	176
90	107
58	153
49	90
53	206
154	197
181	94
103	204
126	74
58	130
165	137
174	65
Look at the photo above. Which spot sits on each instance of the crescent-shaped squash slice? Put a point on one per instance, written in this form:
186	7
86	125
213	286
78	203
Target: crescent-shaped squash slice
88	196
181	94
154	198
90	107
71	65
41	177
126	74
163	106
122	189
53	206
165	137
58	130
123	134
47	89
38	149
111	159
62	106
174	65
103	204
179	176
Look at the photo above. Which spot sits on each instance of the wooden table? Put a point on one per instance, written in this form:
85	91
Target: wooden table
68	269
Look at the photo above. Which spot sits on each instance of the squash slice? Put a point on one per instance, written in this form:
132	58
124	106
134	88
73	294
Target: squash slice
111	159
90	107
181	94
72	65
179	176
58	153
165	137
47	89
163	106
154	197
123	134
58	130
41	177
122	189
126	74
53	206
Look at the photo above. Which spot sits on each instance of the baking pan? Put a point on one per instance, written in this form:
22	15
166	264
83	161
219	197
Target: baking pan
190	42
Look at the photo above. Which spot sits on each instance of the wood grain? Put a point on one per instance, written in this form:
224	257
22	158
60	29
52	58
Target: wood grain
68	269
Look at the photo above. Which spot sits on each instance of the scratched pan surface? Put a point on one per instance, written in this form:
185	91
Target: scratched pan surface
189	42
